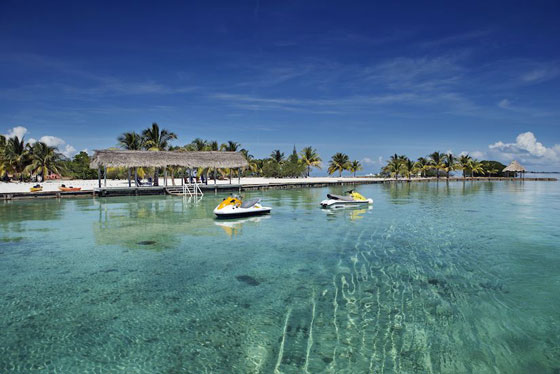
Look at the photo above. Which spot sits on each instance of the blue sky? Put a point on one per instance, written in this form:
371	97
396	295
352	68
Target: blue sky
365	78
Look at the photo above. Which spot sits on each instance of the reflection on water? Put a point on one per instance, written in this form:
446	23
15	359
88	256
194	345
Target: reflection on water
434	278
233	227
403	192
353	212
159	222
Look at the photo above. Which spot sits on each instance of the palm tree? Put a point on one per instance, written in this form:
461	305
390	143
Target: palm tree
277	156
355	166
16	156
408	167
465	163
157	140
253	165
422	164
212	145
339	162
436	162
2	150
395	166
196	145
131	141
310	158
44	160
450	163
492	171
476	167
230	146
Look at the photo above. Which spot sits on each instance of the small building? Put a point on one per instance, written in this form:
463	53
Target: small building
208	160
515	167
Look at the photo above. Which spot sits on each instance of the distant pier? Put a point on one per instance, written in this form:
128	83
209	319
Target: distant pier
276	184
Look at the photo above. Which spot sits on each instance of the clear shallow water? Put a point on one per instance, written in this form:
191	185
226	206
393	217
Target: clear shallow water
461	278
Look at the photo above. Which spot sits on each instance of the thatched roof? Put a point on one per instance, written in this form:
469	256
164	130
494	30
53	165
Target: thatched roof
515	166
129	159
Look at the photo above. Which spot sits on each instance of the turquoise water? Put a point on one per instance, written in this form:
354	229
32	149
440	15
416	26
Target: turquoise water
436	278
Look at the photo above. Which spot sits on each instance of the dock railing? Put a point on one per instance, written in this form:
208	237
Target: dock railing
192	189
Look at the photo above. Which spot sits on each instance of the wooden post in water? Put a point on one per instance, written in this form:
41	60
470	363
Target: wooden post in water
99	176
129	178
105	176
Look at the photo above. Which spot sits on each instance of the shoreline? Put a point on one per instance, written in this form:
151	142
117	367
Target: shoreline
17	191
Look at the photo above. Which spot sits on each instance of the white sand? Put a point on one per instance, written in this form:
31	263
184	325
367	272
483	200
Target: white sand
91	184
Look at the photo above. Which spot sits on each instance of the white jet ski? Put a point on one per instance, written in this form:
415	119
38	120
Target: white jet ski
233	207
353	198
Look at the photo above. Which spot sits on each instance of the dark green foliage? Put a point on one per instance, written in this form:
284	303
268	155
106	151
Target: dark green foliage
493	168
293	167
271	169
79	167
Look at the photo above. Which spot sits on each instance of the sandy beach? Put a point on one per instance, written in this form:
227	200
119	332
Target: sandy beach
90	184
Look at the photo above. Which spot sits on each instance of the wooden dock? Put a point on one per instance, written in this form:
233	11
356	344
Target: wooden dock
218	188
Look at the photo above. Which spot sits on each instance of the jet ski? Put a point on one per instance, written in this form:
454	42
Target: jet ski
352	198
234	206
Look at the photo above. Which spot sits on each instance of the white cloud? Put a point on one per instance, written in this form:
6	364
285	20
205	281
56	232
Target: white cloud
64	148
52	141
370	161
541	74
505	104
32	141
474	154
527	149
478	155
18	131
68	150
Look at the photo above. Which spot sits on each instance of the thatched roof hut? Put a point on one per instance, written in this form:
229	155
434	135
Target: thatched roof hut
514	167
161	159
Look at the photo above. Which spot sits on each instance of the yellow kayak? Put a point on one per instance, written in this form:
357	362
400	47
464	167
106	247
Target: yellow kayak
36	189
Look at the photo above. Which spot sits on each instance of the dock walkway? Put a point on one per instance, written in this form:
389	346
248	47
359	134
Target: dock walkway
225	187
